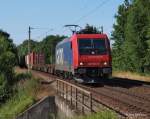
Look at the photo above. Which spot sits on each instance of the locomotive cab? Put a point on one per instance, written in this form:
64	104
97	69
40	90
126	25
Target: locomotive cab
93	56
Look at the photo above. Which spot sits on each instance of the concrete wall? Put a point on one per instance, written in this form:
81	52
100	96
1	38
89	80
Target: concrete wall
63	109
48	108
44	109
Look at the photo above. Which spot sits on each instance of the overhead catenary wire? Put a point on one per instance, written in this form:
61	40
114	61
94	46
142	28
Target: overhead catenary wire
77	21
86	15
40	36
92	11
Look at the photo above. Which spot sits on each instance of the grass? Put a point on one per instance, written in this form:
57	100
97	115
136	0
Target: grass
107	114
132	75
24	96
23	76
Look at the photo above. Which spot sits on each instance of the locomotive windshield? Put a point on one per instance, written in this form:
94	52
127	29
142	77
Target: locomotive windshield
92	46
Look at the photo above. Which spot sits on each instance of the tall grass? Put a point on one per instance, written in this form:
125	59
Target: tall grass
24	97
107	114
23	76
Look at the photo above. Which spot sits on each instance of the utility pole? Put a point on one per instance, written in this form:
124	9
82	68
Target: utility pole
51	54
102	29
29	33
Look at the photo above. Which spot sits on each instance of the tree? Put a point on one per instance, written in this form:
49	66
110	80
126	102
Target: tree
118	35
131	50
23	48
47	46
23	51
8	60
89	29
4	88
136	35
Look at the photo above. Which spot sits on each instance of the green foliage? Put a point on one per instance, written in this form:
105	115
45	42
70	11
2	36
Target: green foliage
118	35
131	36
89	29
100	115
23	48
4	88
46	46
23	98
8	60
23	76
6	43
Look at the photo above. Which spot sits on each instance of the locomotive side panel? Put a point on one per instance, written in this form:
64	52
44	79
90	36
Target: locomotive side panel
63	57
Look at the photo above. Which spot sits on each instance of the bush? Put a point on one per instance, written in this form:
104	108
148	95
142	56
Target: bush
4	89
22	99
107	114
23	76
8	60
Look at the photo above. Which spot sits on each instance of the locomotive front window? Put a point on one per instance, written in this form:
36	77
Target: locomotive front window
85	44
92	46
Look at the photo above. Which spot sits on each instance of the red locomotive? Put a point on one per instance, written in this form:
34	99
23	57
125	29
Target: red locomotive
84	56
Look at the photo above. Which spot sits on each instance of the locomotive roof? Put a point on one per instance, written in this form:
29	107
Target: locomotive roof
82	35
91	35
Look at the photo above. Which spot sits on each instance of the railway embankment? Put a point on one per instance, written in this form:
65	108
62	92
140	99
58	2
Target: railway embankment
44	100
128	98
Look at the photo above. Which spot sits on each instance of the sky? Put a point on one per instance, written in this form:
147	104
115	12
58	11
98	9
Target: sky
48	17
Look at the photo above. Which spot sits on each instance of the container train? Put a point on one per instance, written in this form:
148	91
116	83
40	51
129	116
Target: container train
82	57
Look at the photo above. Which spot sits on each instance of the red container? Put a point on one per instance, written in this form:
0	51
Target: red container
34	59
41	58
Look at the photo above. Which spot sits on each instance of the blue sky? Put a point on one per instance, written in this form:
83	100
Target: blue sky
17	15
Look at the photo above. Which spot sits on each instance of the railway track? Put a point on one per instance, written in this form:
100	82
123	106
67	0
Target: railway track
144	98
133	104
120	98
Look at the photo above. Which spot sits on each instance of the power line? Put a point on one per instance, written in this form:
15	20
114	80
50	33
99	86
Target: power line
40	28
92	11
38	37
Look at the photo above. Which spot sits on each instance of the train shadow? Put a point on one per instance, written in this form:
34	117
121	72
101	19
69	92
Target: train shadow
93	85
119	82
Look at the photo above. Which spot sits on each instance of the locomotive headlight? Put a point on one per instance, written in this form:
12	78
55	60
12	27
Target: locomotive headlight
105	63
81	63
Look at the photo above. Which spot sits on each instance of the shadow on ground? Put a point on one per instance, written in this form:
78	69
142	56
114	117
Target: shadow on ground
119	82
